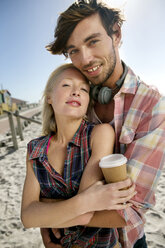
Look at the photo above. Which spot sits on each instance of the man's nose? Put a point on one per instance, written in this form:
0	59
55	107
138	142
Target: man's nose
85	56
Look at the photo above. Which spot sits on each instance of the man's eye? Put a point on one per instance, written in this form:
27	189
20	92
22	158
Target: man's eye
93	42
72	52
65	85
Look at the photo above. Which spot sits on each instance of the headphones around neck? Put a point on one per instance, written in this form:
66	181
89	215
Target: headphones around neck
104	95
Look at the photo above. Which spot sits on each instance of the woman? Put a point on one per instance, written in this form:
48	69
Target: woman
56	161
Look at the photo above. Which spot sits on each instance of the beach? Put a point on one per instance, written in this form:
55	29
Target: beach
12	174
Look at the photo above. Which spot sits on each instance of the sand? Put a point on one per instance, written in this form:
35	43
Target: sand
12	173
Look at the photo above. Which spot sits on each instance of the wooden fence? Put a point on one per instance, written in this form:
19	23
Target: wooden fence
19	126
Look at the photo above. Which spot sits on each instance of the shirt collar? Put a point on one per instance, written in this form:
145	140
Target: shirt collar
130	84
40	147
76	140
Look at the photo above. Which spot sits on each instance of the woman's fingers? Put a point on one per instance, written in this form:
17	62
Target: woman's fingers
123	202
126	199
122	185
121	206
110	196
126	192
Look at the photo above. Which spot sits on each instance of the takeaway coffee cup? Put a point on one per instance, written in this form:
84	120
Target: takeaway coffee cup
114	168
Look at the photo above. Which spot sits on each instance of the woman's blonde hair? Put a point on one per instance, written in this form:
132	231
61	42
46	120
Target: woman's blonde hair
48	117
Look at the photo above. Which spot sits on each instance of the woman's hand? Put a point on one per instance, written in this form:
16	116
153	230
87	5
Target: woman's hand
112	196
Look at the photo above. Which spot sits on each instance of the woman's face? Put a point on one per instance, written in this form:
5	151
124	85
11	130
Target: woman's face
70	96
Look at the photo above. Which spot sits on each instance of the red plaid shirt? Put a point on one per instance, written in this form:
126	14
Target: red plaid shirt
139	123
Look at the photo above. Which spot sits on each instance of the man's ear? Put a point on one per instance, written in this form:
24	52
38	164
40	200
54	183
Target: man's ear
117	34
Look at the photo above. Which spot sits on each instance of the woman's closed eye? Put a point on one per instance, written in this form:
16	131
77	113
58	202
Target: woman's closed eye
65	85
84	89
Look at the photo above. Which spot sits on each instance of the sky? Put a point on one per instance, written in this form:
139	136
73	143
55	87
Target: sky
27	26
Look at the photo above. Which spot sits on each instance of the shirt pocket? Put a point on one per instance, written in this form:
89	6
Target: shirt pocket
127	135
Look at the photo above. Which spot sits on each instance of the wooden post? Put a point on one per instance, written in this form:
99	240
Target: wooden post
13	132
19	125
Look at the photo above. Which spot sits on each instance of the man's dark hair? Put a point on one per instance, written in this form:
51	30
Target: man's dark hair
78	11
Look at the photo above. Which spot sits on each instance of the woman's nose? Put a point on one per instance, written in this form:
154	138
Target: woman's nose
75	92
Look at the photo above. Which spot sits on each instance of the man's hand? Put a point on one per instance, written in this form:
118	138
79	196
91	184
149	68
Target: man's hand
46	237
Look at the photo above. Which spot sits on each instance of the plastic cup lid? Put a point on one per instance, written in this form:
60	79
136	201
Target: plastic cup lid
112	160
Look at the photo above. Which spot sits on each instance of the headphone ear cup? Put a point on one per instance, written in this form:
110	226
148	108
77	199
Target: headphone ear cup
105	95
94	92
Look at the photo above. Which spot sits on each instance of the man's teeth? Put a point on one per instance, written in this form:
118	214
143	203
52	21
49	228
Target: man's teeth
94	68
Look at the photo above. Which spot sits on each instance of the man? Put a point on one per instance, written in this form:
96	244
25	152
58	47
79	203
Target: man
90	34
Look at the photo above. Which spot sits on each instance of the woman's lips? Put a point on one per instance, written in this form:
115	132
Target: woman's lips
74	103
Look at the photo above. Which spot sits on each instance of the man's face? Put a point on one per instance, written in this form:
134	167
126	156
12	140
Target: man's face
91	50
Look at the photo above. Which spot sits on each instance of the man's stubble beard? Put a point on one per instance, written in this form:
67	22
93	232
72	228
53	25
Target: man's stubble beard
111	62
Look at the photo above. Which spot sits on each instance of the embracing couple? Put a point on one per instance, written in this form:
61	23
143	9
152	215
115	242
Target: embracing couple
93	107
